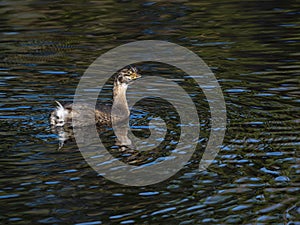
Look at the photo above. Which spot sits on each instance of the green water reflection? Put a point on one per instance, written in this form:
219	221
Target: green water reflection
253	49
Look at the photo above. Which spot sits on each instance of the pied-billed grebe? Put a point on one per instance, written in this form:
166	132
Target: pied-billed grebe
63	114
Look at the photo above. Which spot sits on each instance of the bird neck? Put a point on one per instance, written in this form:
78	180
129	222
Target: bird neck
120	102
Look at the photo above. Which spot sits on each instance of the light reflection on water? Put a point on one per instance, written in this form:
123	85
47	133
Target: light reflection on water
252	47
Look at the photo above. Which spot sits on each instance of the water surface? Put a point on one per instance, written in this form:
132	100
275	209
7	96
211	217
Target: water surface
253	49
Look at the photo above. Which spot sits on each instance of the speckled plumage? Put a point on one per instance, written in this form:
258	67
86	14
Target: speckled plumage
63	114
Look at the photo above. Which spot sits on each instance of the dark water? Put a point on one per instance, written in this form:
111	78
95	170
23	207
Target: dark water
253	49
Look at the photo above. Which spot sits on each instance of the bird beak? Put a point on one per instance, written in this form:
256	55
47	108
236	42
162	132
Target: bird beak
135	76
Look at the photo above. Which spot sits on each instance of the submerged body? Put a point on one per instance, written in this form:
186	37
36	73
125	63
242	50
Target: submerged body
63	114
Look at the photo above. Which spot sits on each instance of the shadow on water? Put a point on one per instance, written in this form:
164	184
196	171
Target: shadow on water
253	49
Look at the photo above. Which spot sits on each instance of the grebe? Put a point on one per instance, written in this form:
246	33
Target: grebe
62	115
